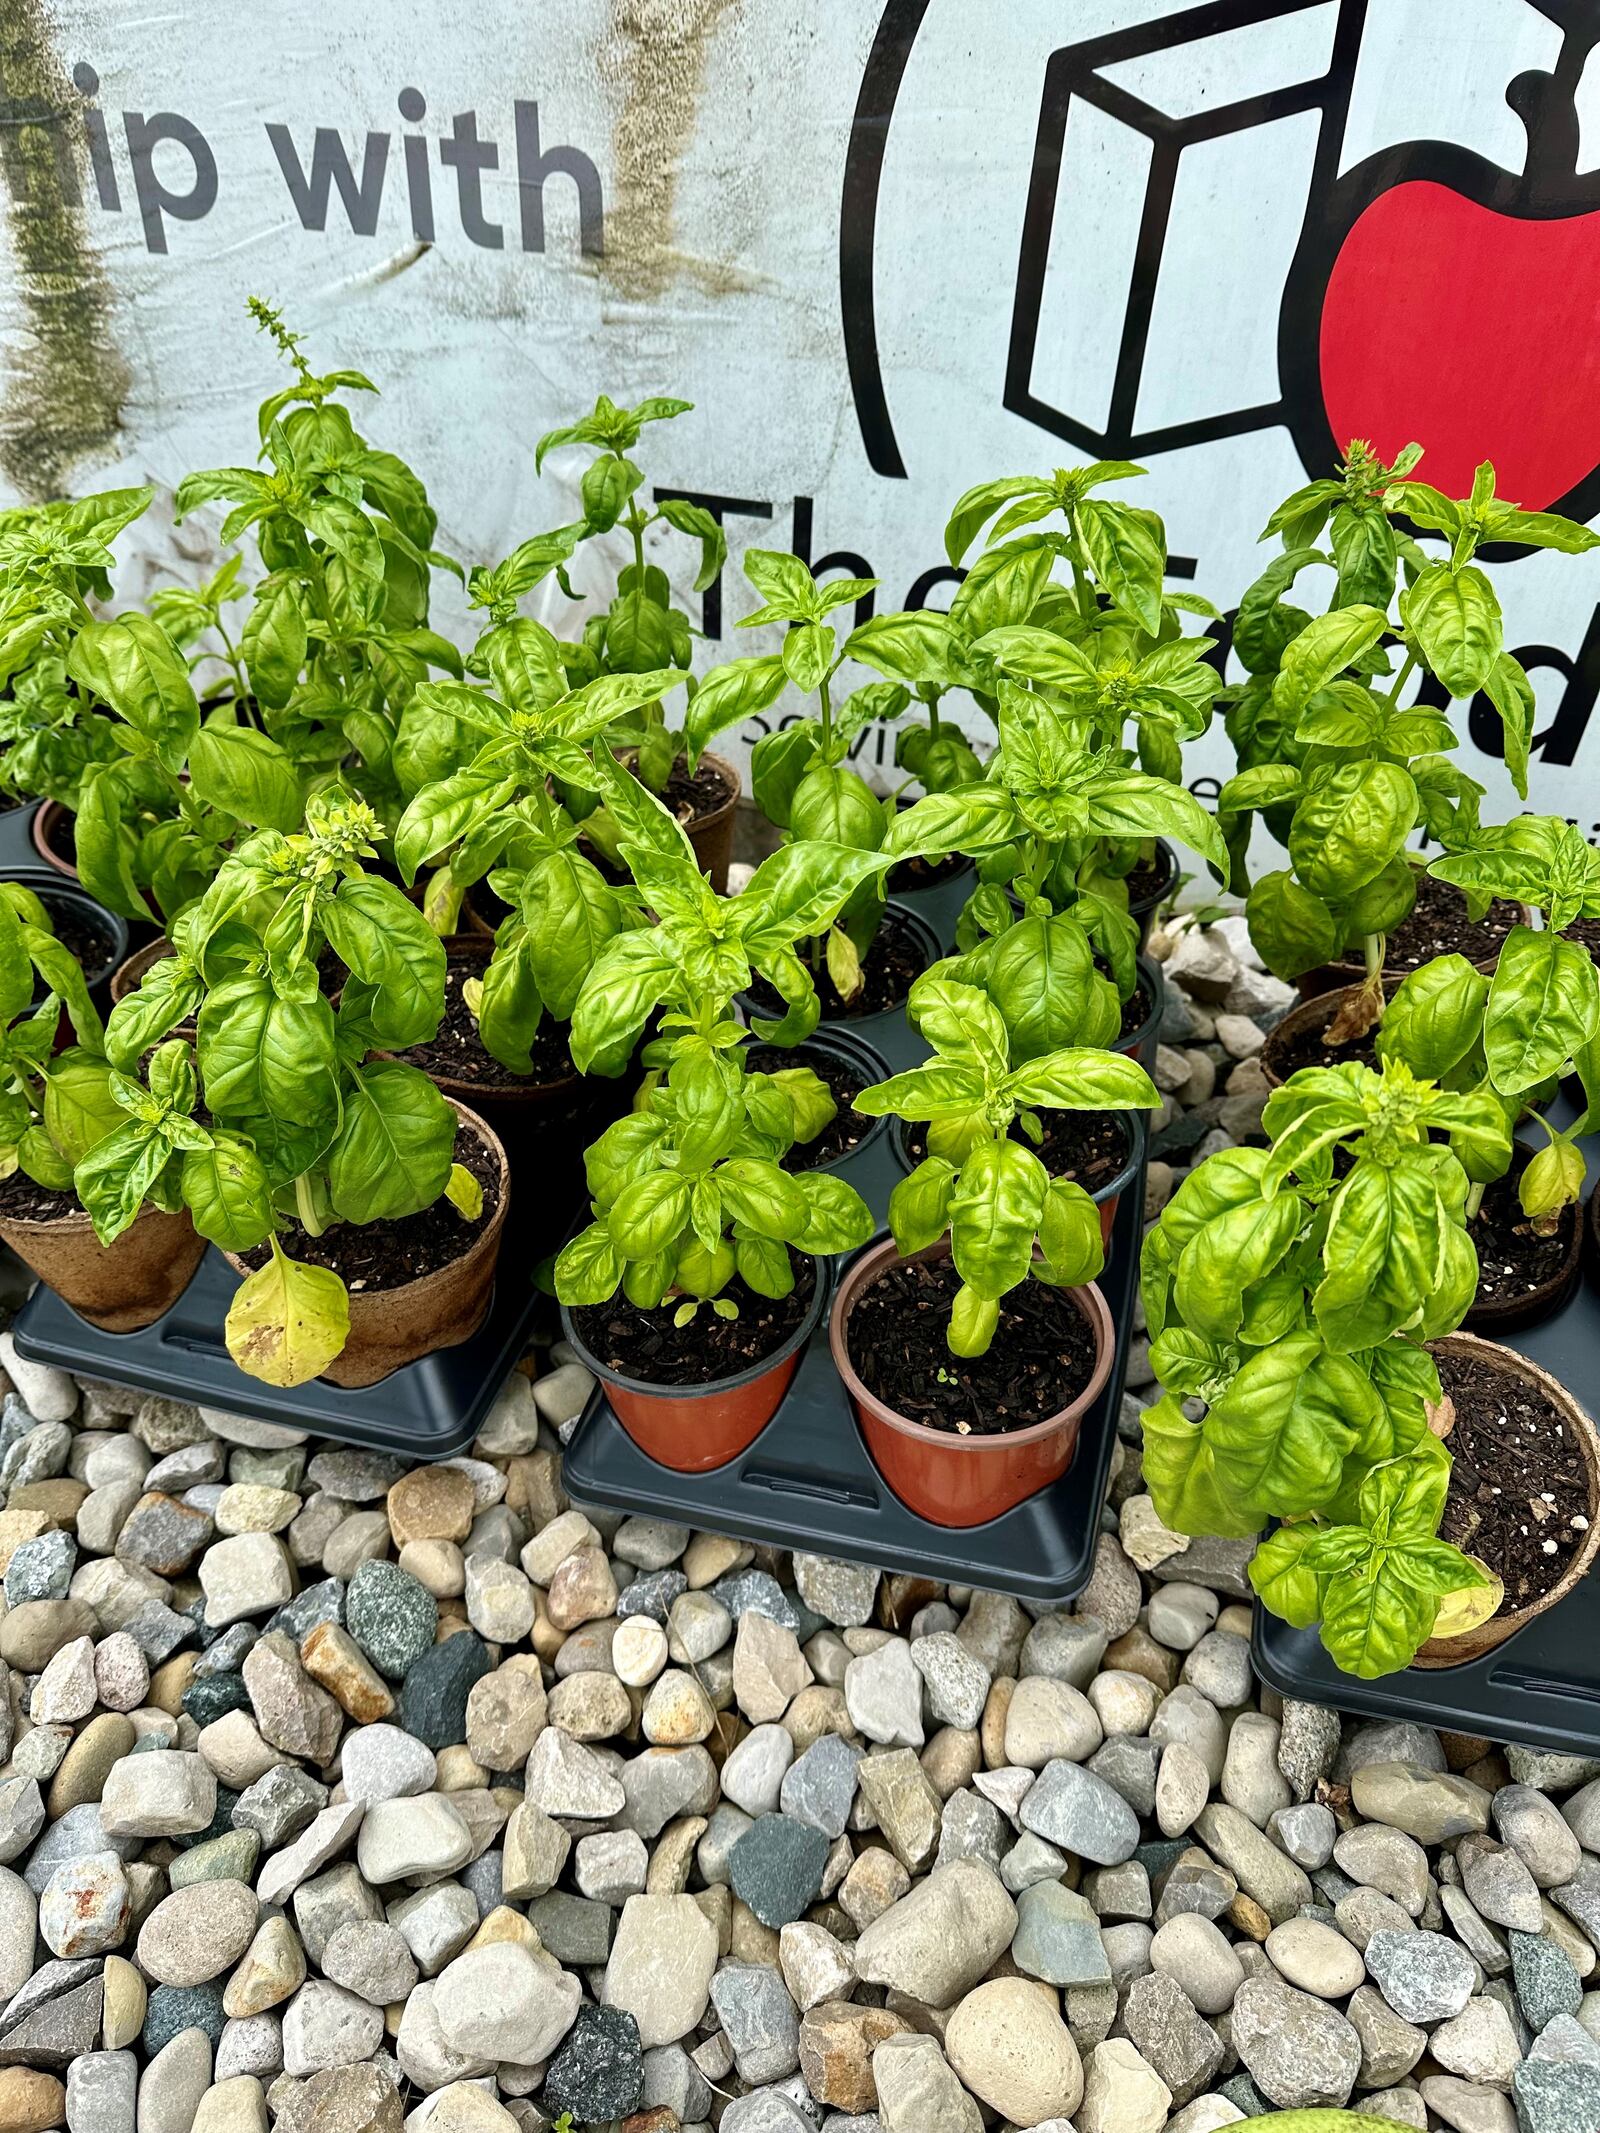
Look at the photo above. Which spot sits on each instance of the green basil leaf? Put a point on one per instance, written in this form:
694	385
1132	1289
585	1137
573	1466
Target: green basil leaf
1283	1581
385	940
919	1206
1324	648
228	1193
1237	1247
649	1215
392	1153
1543	1008
246	773
273	644
1279	1435
836	1218
1455	618
1082	1078
1292	930
1071	1246
1383	1254
1179	1475
262	1056
1128	554
995	1210
939	1090
731	693
1351	823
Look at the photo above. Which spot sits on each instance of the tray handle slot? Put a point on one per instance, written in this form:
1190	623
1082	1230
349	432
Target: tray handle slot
785	1481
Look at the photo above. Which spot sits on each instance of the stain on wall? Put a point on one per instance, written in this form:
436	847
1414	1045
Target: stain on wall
64	380
653	63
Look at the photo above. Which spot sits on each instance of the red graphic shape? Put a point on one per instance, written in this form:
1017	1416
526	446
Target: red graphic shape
1475	333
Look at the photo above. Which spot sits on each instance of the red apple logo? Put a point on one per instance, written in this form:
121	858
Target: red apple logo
1438	297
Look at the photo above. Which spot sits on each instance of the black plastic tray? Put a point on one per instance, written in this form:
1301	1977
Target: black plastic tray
808	1483
1542	1688
427	1410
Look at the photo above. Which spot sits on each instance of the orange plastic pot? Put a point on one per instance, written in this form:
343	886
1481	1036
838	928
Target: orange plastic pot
948	1479
695	1428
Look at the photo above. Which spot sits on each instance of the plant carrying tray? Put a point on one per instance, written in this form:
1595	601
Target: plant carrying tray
1541	1689
807	1482
427	1410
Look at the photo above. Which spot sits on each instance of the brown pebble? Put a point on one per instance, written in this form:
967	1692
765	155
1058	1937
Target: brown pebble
431	1503
992	1731
1248	1916
169	1681
30	2101
60	1500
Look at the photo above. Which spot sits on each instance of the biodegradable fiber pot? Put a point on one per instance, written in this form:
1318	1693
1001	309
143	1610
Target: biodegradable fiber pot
50	828
392	1327
695	1428
712	835
117	1287
946	1478
1310	1019
1488	1636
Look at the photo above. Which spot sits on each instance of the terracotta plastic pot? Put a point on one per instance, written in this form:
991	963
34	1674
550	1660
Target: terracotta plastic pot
1106	1199
1536	1305
695	1428
117	1287
948	1479
392	1327
45	822
1488	1636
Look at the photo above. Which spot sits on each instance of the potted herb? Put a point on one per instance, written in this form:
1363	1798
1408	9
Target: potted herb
54	558
1308	1294
971	1341
500	819
1145	682
694	1288
363	1208
57	1106
804	784
1342	768
1047	802
641	631
337	639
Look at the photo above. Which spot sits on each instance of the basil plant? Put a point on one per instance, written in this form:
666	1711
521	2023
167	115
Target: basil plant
688	1191
640	630
337	638
1006	1217
801	773
1343	770
1047	803
54	558
1291	1290
499	817
307	1120
179	787
55	1105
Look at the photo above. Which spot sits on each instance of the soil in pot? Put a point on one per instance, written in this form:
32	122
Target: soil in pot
56	832
695	795
1041	1359
894	962
457	1054
1300	1040
1090	1148
648	1347
1149	880
1515	1262
387	1255
21	1200
1136	1009
93	946
847	1128
1519	1486
1586	932
1439	923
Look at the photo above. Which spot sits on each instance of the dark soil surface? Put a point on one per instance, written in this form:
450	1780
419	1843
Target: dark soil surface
1088	1147
61	834
90	946
1137	1008
1518	1489
458	1054
1438	924
847	1129
1151	879
386	1255
914	874
648	1346
21	1200
1586	932
692	795
1513	1259
891	967
1287	1051
1042	1355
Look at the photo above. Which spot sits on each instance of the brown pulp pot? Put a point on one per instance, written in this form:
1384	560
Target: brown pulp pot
1537	1304
392	1327
117	1287
1488	1636
1314	1013
44	821
694	1429
948	1479
712	835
